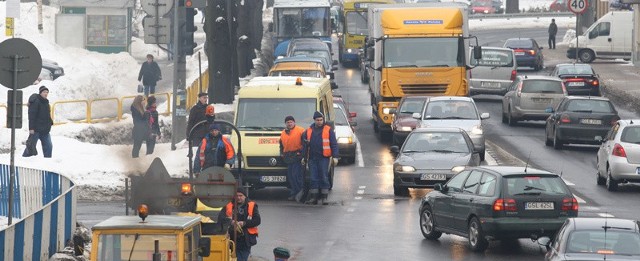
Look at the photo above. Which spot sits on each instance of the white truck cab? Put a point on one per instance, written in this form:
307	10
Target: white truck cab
608	38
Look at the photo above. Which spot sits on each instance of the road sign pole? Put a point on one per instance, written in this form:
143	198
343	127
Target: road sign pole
577	38
12	166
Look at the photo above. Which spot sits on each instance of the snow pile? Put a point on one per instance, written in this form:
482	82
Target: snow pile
3	222
568	36
526	22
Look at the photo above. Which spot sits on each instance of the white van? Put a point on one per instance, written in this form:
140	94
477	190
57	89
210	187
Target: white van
494	72
608	38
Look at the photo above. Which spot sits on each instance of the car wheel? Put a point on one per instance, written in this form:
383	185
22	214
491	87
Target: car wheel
547	141
600	179
511	120
612	184
557	143
400	190
427	224
586	56
477	241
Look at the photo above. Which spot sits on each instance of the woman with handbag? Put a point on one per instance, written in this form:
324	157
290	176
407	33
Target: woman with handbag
140	124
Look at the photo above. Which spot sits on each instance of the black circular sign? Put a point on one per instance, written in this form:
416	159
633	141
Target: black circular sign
29	62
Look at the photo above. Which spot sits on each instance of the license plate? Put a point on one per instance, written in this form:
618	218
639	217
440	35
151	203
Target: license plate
490	84
429	176
538	206
273	178
269	141
174	202
519	53
575	84
541	100
591	121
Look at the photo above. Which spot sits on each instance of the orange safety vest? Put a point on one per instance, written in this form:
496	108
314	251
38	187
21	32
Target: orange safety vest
251	230
227	146
326	145
292	141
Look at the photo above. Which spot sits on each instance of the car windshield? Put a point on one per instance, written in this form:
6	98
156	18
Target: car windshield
541	86
299	73
323	54
411	106
299	22
494	58
614	241
267	113
133	246
341	118
450	109
535	185
575	69
631	135
580	105
444	142
518	43
435	52
357	23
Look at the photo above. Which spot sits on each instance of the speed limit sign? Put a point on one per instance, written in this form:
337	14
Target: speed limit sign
578	6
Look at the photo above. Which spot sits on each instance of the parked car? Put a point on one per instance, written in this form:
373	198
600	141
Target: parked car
454	111
482	7
494	72
345	136
403	121
618	158
430	156
528	52
594	239
53	67
580	78
579	119
497	202
529	97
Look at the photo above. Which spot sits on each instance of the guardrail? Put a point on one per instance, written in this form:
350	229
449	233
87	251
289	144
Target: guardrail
44	214
521	15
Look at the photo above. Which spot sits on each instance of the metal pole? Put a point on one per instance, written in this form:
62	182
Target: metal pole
176	55
156	251
126	196
199	73
12	166
577	36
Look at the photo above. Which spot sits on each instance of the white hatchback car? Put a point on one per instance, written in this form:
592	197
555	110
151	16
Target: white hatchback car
619	155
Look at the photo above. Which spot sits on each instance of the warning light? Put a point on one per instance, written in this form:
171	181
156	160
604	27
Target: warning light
143	211
299	81
186	189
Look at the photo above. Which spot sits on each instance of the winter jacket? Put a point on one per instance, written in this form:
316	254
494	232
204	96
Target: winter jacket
314	147
243	212
141	128
216	151
553	29
197	114
149	73
39	114
154	126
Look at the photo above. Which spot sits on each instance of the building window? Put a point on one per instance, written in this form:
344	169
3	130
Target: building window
106	30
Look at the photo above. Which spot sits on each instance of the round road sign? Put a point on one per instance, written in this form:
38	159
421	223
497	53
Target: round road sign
157	8
29	62
578	6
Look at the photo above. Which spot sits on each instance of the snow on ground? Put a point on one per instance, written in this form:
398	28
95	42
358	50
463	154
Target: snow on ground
514	23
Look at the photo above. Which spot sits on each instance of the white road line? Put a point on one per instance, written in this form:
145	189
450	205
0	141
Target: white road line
579	199
359	158
361	191
329	243
351	209
490	160
607	215
569	183
358	198
362	187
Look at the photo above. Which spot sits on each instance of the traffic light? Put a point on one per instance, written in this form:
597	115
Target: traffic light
190	28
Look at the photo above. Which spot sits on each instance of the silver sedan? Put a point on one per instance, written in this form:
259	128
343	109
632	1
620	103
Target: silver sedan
619	155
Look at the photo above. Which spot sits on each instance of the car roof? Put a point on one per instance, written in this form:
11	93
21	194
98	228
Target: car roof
297	59
453	98
539	77
311	46
630	122
600	98
514	170
572	64
599	223
438	129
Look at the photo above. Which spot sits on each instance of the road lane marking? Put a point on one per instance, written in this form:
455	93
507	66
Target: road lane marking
607	215
362	187
359	158
358	198
361	191
351	209
579	199
569	183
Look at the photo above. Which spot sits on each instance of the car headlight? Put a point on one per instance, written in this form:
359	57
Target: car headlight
405	128
401	168
386	110
57	71
349	50
345	140
457	169
476	130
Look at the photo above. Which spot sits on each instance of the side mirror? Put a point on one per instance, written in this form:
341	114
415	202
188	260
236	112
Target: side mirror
370	54
416	115
543	241
270	26
439	187
353	123
204	246
484	116
353	114
331	75
548	110
395	149
393	111
334	62
334	86
477	52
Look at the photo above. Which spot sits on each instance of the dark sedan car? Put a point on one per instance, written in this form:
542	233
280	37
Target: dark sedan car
497	202
430	156
403	122
580	79
55	69
609	239
579	119
528	52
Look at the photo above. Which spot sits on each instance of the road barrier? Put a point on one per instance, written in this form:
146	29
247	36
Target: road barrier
521	15
44	214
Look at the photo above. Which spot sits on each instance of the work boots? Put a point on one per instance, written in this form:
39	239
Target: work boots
313	197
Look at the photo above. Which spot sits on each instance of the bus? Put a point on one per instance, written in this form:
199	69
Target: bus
300	19
354	29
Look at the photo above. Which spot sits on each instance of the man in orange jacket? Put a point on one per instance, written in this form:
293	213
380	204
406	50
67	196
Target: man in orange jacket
246	223
214	150
291	152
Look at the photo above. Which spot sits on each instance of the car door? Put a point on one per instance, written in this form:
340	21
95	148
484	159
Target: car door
443	206
551	121
506	99
463	201
600	39
605	149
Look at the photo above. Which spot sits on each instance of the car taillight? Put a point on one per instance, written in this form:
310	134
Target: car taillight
532	52
513	75
618	150
505	205
565	119
593	81
564	89
569	204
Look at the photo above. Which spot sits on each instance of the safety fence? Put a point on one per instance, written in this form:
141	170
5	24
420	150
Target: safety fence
44	213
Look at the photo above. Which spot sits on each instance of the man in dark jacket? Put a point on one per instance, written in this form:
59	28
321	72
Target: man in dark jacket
196	115
245	227
214	150
150	74
320	146
40	121
553	30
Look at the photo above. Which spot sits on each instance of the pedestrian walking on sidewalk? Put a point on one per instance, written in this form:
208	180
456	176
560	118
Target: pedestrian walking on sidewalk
291	153
149	74
321	150
141	127
553	30
40	123
154	126
244	230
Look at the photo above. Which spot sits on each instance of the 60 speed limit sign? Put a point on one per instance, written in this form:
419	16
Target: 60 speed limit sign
578	6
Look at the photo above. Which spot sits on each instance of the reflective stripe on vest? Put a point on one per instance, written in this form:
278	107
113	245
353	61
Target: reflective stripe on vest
326	145
251	204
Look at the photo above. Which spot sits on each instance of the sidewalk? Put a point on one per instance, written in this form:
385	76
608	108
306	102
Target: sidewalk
620	80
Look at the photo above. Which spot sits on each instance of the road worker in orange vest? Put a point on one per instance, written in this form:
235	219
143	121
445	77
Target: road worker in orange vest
321	150
245	225
214	150
291	153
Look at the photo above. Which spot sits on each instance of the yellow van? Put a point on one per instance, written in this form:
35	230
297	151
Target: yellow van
294	66
263	103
